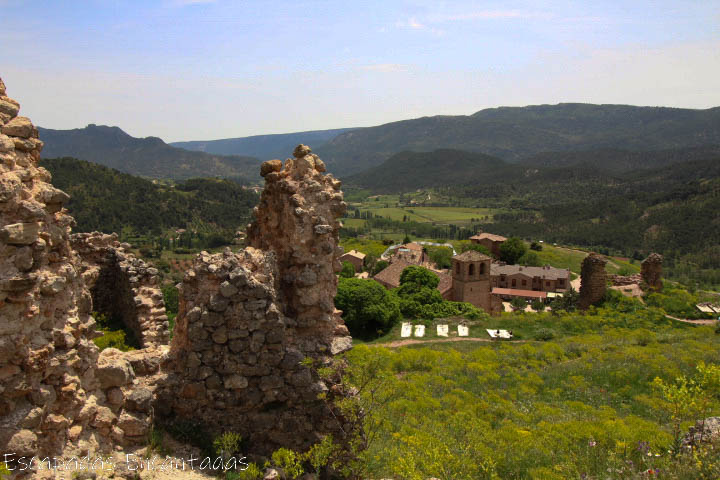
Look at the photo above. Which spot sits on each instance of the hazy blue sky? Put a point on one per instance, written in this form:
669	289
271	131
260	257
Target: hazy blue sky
203	69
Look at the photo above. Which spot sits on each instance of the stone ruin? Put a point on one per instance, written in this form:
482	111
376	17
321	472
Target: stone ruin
123	285
625	280
252	330
251	325
651	272
57	393
593	281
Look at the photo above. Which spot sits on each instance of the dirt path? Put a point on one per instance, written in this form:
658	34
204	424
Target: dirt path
694	322
403	343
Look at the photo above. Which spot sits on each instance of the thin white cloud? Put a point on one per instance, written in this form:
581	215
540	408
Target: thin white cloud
410	23
487	15
386	67
184	3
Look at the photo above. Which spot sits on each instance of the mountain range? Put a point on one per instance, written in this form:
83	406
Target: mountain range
264	147
513	133
147	157
609	134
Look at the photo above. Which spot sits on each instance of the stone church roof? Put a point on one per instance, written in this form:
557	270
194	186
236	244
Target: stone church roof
471	256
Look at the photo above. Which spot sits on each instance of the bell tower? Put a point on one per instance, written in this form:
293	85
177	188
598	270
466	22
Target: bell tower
471	280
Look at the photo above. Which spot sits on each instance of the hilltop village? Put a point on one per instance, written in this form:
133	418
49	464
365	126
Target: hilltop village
490	284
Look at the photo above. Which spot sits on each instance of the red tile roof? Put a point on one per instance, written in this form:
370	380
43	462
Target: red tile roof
489	236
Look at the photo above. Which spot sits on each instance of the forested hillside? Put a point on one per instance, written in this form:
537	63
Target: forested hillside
147	157
408	171
512	133
618	161
107	200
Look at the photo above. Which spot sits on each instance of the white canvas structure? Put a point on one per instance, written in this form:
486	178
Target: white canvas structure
442	330
495	333
419	330
406	330
463	331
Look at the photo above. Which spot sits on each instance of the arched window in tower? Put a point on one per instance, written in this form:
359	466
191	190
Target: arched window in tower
482	269
471	270
457	268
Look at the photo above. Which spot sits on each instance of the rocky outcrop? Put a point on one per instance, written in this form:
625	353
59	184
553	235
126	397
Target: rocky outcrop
253	327
593	281
704	431
123	286
651	272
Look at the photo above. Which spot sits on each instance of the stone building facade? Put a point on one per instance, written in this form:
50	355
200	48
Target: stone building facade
490	241
471	281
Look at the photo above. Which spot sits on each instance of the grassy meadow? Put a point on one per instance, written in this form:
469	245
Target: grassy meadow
581	404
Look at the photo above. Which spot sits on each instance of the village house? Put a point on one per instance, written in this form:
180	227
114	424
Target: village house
390	278
412	253
538	279
490	241
354	257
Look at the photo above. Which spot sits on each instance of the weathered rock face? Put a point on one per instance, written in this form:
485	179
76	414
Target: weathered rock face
254	326
123	285
46	351
651	271
55	387
297	221
704	431
593	280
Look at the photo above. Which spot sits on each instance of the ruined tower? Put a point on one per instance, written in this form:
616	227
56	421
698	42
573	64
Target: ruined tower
593	280
253	327
651	272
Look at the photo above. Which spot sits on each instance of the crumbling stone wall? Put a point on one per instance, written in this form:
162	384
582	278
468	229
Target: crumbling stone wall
254	326
623	280
593	281
57	393
123	285
651	272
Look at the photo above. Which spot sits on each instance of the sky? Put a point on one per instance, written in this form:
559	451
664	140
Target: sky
208	69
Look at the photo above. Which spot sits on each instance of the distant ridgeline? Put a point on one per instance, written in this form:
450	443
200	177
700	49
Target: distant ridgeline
514	133
107	200
147	157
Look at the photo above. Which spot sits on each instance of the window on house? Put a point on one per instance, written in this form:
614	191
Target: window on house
482	269
457	268
471	269
524	282
514	282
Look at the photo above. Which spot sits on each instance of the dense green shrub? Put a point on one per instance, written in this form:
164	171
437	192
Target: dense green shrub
348	270
113	339
170	297
511	250
368	308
